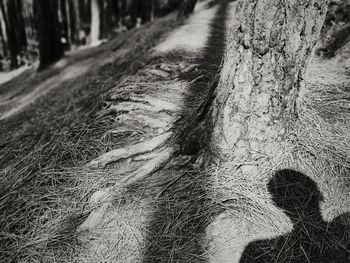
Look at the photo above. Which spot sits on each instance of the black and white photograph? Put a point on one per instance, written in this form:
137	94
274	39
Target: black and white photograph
174	131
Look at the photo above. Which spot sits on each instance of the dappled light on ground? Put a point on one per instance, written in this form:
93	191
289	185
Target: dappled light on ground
7	76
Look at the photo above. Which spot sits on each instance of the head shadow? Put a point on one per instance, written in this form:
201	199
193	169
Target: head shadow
297	195
312	239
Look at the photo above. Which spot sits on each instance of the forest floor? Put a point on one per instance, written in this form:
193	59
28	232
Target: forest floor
112	115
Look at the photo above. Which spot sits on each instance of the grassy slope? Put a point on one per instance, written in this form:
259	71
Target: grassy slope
59	130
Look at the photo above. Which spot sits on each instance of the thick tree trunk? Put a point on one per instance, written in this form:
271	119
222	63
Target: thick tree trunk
263	73
50	46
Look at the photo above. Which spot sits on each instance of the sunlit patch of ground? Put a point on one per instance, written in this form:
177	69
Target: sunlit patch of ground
68	68
7	76
193	35
17	104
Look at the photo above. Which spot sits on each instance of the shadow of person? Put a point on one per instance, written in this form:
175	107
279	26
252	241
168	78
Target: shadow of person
312	239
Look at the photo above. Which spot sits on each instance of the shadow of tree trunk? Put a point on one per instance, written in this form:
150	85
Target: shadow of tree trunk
177	228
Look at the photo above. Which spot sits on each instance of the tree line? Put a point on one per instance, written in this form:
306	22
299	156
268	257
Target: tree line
44	29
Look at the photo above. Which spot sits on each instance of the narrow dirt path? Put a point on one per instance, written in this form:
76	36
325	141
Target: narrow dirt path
11	105
15	105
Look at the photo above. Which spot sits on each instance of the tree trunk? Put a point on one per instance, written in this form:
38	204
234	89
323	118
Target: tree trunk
106	18
65	22
3	34
263	73
134	8
186	8
29	22
15	29
74	21
95	22
152	10
85	20
50	46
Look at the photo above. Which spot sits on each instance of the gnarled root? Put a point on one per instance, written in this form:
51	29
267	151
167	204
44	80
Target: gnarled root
130	151
150	167
102	199
134	103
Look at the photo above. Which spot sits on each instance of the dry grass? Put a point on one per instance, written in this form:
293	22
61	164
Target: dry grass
41	203
318	146
164	218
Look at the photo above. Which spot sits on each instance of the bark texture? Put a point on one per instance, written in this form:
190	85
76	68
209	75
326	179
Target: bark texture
263	74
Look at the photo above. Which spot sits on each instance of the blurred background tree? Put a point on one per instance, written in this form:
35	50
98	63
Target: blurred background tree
26	32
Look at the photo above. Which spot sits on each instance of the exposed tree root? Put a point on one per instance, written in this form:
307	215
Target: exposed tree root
102	199
144	120
160	104
150	167
128	106
159	73
130	151
140	106
146	103
94	217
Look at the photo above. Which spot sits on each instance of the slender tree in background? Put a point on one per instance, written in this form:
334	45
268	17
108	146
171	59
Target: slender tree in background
107	17
75	21
12	14
85	19
69	15
29	26
49	31
186	8
4	48
261	82
120	8
95	21
65	22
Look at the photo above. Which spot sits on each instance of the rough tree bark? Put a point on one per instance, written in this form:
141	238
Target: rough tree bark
262	78
50	46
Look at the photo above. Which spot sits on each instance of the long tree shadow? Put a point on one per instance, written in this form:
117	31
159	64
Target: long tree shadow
177	228
312	239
